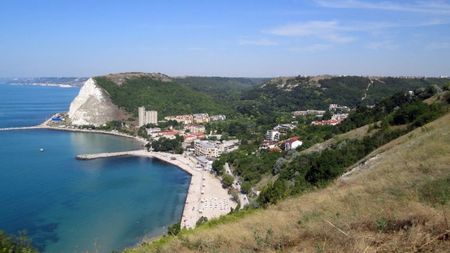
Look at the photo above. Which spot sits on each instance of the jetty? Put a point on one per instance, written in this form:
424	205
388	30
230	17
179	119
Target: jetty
21	128
107	155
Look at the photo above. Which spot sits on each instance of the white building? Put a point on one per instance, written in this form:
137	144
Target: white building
147	117
207	148
213	149
217	117
141	114
339	116
273	135
284	127
292	143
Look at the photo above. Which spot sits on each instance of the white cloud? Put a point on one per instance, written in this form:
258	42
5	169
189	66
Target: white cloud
327	30
257	42
432	7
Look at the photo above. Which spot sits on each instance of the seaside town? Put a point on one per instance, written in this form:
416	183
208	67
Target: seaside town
208	196
183	140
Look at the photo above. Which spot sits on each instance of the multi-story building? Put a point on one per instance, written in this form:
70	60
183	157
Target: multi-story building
196	129
273	135
141	114
185	119
151	117
147	117
200	118
207	148
218	117
213	149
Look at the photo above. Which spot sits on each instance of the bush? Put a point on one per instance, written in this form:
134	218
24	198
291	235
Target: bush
12	244
201	221
174	229
246	187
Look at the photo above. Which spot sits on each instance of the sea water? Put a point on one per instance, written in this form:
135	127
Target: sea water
67	205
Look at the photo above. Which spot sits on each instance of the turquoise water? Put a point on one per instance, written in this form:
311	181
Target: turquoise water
67	205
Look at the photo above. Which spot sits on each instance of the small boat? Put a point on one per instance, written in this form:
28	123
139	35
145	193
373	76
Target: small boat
41	149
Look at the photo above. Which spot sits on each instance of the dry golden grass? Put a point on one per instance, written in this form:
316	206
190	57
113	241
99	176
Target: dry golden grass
376	209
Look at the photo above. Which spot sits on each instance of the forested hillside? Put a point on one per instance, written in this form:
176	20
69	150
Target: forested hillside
167	97
259	98
301	93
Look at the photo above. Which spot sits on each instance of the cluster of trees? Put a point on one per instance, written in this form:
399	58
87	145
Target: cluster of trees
167	145
249	166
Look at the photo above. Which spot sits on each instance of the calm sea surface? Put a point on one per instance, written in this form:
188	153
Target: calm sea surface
66	205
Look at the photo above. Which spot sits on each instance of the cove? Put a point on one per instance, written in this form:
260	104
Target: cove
67	205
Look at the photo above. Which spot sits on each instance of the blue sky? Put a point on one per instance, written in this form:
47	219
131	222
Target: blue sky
224	37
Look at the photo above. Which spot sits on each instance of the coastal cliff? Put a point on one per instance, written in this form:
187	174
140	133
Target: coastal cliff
93	106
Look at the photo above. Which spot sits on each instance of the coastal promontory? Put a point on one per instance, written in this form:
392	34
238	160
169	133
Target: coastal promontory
93	106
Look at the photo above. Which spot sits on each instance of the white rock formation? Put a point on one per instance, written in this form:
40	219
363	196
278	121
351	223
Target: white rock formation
92	106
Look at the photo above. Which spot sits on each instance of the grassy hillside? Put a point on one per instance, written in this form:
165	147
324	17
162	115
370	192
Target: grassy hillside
396	200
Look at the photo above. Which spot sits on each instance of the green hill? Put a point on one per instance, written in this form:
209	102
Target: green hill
166	96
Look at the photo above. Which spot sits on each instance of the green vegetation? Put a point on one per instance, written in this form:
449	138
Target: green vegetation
436	192
227	180
174	229
168	98
12	244
168	145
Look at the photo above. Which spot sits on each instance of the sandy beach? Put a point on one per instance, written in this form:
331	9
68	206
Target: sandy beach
206	197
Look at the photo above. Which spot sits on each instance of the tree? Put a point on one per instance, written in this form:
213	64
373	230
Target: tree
143	132
227	180
168	145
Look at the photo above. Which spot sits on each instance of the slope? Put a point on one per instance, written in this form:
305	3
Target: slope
398	201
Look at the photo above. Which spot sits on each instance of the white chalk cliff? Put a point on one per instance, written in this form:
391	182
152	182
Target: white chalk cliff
92	106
